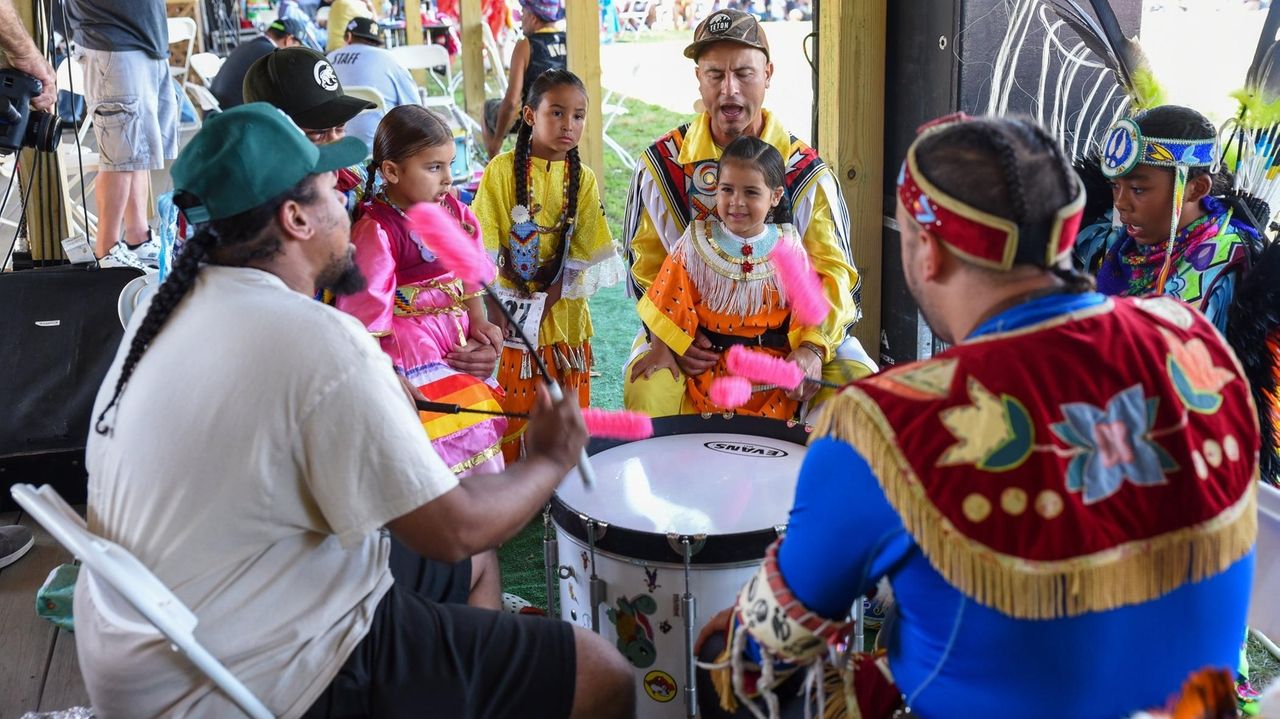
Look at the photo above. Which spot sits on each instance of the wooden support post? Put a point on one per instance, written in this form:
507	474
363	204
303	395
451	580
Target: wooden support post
583	38
45	212
473	59
851	52
413	33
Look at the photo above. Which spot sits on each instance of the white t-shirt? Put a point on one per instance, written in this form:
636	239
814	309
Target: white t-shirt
258	449
370	66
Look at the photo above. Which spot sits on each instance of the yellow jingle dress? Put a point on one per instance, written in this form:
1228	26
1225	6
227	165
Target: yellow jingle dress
592	262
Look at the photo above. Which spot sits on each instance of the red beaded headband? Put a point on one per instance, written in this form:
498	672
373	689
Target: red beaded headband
977	236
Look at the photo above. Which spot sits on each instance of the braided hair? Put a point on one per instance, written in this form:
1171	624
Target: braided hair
760	155
404	132
235	241
1010	168
555	77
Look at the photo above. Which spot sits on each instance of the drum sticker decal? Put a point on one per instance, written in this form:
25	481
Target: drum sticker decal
747	449
586	562
573	596
660	686
651	579
664	627
635	634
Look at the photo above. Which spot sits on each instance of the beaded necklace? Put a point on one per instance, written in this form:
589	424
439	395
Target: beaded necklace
749	264
427	255
526	234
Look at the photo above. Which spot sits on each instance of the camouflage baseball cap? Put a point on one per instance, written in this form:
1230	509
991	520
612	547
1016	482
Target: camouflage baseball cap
728	26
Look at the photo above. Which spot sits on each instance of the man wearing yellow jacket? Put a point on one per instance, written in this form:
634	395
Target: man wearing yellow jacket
675	183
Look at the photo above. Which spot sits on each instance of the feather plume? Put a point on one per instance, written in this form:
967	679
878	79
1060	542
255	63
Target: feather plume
730	392
1107	42
763	368
454	248
609	424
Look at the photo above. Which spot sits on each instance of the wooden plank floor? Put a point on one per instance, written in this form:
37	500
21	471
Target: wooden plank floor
38	668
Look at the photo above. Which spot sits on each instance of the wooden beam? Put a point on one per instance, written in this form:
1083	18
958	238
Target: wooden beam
583	38
851	60
413	34
473	58
46	214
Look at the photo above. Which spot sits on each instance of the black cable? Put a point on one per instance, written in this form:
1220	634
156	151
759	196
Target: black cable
75	131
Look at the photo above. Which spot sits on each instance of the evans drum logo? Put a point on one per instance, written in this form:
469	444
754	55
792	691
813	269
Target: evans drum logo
746	449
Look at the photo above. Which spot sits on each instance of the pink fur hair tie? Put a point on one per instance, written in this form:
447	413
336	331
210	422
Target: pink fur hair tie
608	424
453	247
730	392
764	368
805	295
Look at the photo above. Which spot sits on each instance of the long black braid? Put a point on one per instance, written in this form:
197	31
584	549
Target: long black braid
235	241
1009	168
523	155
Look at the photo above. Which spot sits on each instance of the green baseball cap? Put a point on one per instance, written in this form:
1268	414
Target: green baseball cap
248	155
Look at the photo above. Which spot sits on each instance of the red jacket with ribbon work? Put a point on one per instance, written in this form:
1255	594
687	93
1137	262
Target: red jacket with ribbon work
1099	459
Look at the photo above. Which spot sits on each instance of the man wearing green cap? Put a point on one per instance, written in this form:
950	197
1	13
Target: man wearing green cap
262	503
675	183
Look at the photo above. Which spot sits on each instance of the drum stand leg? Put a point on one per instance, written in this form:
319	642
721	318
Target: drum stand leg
689	607
597	590
859	627
550	561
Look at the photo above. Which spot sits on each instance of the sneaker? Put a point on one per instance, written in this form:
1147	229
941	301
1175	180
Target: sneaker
120	256
148	253
15	541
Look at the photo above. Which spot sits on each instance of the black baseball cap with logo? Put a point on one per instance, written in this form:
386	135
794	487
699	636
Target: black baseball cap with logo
302	83
365	28
728	26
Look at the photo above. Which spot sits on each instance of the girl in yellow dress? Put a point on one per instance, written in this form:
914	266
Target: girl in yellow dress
540	213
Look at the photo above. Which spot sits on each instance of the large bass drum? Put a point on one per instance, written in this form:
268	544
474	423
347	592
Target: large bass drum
675	526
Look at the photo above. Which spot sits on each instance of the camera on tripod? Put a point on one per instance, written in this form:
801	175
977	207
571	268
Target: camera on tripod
20	125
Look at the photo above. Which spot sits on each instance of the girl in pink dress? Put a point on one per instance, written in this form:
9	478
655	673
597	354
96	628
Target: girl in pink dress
419	311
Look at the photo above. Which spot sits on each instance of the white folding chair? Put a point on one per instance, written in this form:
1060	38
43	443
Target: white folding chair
78	161
495	64
206	66
430	57
111	568
182	32
1264	610
364	92
135	292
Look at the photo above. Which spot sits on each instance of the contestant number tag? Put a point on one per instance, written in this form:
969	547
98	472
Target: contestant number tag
527	311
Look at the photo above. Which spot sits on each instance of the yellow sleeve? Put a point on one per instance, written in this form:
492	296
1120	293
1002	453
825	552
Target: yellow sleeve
669	307
493	201
838	277
592	241
647	252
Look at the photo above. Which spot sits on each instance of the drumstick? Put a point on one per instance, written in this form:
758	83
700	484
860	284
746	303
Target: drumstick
446	408
455	250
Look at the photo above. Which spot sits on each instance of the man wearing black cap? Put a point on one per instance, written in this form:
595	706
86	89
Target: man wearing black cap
675	183
365	63
270	526
228	84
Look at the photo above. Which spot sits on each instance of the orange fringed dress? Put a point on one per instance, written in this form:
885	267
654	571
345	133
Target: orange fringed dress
714	280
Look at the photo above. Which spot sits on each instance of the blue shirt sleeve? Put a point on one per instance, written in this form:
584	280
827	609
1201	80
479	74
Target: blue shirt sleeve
843	535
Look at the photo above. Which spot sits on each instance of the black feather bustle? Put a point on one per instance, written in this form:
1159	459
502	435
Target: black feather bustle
1097	189
1253	331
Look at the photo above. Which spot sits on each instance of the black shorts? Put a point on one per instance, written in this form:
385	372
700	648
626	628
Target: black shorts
437	581
423	659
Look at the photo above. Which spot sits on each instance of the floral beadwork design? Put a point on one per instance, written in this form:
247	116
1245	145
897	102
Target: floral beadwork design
1114	445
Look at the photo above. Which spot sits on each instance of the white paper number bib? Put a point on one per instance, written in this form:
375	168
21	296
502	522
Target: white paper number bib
527	311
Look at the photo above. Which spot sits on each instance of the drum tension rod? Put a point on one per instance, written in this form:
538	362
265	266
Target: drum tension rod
597	589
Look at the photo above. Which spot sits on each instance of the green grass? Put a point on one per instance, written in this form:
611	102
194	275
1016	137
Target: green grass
614	317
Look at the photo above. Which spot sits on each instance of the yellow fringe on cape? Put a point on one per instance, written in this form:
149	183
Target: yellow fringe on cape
1131	573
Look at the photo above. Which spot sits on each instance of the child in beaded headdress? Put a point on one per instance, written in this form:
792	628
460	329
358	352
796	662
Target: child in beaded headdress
720	280
540	213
